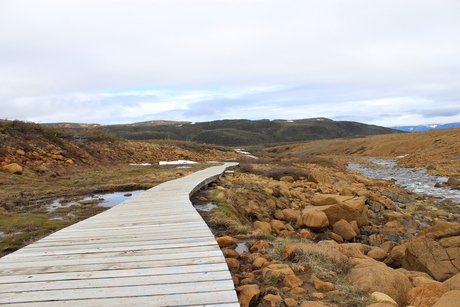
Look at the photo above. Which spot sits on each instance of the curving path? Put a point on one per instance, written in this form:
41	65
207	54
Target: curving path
153	249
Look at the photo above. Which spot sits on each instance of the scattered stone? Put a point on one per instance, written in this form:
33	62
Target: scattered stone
232	263
41	169
259	262
321	285
318	178
313	248
236	281
383	298
377	253
344	229
230	253
277	225
202	198
291	215
261	244
247	294
290	302
13	168
292	281
313	219
355	227
271	300
225	241
128	194
263	227
288	179
276	270
335	237
304	233
318	295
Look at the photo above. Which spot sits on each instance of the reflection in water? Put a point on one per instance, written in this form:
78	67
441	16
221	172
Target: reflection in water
415	180
104	200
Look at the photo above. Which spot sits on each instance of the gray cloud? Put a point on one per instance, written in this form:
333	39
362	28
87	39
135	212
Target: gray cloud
382	61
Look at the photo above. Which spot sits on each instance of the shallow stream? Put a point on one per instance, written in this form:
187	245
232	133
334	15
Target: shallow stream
414	180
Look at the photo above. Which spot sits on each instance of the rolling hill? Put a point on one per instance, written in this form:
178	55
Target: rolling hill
242	132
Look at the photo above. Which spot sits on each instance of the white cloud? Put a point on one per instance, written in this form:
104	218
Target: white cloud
380	61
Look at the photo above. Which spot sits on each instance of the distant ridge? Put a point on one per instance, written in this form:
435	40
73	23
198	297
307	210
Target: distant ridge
421	128
243	132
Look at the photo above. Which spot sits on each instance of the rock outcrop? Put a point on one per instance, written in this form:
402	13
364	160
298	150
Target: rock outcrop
434	251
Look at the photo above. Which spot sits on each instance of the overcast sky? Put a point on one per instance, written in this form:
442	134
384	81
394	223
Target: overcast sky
383	62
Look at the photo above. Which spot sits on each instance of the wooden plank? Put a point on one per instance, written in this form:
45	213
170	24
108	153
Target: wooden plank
149	271
224	298
115	258
115	292
116	281
164	264
116	246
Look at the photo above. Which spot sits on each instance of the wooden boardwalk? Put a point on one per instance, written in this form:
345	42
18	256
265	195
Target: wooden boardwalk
153	249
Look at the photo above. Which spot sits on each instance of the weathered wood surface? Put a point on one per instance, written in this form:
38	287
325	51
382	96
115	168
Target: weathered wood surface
153	249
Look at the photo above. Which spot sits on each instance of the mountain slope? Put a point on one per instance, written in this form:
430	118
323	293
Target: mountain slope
421	128
241	132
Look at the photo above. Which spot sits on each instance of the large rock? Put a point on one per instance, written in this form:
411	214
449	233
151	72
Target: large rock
452	283
263	227
13	168
373	276
344	229
291	215
225	241
434	252
327	199
425	295
313	219
318	178
353	209
449	299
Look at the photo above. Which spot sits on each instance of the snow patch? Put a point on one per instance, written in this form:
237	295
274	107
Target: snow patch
176	162
247	154
141	164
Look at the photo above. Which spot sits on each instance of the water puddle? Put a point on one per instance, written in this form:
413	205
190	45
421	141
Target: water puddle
205	206
414	180
104	200
241	247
